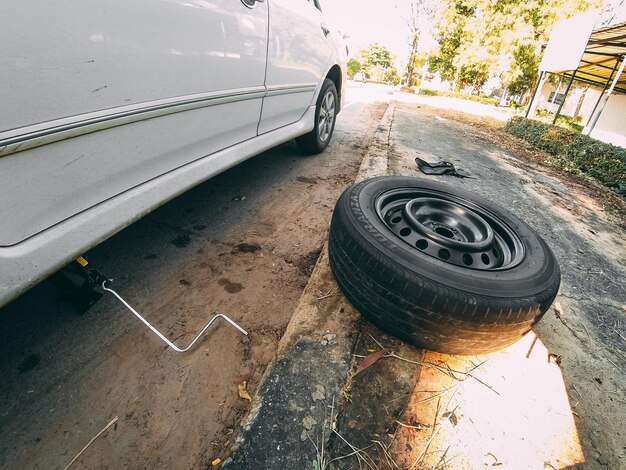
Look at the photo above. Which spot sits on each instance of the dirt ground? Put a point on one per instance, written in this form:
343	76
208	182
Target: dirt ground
243	244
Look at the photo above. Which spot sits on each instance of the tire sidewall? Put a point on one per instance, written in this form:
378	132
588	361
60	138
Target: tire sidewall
536	272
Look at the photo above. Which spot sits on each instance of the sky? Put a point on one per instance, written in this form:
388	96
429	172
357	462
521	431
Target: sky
365	22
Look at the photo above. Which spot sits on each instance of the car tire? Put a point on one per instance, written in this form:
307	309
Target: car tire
439	267
325	116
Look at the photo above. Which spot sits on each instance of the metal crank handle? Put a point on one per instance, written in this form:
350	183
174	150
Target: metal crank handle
158	333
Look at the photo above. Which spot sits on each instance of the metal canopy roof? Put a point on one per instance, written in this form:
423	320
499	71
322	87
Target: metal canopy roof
602	57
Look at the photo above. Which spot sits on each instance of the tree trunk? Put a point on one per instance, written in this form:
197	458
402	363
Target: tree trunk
580	102
410	68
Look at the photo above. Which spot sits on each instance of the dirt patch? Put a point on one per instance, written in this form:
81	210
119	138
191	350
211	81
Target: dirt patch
248	247
229	286
181	241
306	179
306	263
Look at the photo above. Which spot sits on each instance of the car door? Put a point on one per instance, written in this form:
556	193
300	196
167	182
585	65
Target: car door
99	97
298	55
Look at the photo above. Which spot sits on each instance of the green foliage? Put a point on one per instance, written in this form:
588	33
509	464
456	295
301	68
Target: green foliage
429	92
391	75
568	122
575	152
463	96
523	71
377	63
482	38
407	89
416	61
574	123
374	55
354	66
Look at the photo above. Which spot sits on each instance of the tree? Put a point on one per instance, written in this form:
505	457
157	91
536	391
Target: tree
354	66
391	75
482	38
419	9
451	34
376	54
375	61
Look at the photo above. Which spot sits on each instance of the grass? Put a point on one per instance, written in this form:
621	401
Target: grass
454	94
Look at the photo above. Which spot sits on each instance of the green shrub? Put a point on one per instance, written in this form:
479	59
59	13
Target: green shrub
454	94
573	123
407	89
575	152
429	92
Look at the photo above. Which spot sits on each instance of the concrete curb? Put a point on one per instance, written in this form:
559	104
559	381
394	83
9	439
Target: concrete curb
302	385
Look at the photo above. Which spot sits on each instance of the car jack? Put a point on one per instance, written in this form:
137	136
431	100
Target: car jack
96	277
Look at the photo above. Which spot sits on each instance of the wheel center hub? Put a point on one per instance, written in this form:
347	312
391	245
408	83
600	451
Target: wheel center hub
448	223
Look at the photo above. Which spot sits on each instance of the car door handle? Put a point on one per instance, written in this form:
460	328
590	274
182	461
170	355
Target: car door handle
325	29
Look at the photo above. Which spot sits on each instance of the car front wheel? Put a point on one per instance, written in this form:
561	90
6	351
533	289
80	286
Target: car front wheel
325	113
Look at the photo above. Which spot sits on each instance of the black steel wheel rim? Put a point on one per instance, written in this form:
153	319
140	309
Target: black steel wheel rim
450	228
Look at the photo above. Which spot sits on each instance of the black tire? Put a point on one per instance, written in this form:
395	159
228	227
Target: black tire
318	139
443	305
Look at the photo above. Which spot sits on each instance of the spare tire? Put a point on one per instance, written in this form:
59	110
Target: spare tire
439	267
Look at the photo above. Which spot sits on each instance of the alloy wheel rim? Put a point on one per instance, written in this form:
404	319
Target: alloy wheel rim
450	228
326	116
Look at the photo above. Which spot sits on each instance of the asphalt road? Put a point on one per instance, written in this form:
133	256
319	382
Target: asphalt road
585	330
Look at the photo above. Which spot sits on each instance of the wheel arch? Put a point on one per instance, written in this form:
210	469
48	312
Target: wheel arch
335	75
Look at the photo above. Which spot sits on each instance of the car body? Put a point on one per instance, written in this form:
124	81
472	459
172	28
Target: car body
112	108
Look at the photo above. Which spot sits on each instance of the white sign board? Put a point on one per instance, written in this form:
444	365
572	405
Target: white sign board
568	41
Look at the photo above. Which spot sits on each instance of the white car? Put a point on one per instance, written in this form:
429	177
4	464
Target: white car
109	109
360	77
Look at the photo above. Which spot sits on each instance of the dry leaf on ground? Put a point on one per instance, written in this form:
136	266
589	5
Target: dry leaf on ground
370	359
243	393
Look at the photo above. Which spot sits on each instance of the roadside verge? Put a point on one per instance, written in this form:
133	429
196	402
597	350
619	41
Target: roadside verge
289	421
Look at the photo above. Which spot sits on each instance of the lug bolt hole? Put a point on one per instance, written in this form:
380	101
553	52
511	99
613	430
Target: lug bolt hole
444	254
396	219
485	258
467	260
422	244
405	232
